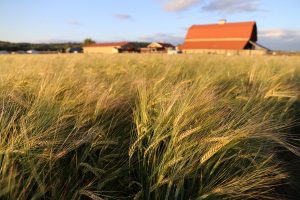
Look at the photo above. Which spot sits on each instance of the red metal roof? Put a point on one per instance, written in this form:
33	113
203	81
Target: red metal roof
220	36
111	44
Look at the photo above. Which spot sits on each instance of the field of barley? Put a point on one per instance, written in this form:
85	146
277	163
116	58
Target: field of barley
165	127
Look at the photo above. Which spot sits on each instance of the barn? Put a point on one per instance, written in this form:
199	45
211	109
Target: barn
236	38
111	48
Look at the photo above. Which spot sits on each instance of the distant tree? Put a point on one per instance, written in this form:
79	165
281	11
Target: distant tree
88	41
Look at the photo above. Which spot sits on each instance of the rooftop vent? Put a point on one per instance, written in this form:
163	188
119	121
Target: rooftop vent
222	21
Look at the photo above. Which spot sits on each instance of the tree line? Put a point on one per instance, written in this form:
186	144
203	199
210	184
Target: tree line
10	46
61	47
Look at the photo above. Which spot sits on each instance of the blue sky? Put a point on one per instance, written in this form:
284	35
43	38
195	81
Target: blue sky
144	20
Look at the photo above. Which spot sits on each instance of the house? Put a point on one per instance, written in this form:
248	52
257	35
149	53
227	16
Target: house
74	50
223	38
158	47
111	48
32	51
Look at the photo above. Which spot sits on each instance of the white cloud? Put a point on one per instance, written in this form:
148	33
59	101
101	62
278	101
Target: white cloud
231	6
123	16
73	22
280	39
222	6
163	37
284	34
179	5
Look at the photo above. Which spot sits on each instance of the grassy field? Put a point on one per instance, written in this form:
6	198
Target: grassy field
149	127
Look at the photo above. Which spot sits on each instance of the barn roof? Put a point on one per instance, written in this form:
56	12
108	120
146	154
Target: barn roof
220	36
110	44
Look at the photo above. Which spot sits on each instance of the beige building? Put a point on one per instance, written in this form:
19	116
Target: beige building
110	48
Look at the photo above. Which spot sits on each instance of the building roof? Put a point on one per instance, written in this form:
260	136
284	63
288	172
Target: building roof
220	36
160	45
111	44
166	45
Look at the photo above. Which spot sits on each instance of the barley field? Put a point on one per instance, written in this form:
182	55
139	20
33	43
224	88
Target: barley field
149	127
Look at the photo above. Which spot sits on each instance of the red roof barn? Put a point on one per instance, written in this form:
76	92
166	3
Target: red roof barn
229	36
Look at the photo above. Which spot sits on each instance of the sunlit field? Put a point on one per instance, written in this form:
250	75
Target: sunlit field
170	127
